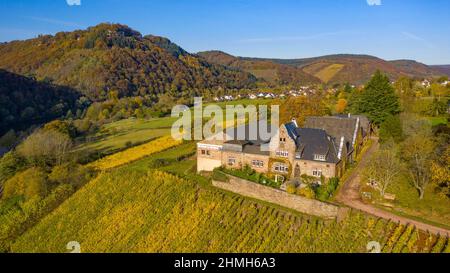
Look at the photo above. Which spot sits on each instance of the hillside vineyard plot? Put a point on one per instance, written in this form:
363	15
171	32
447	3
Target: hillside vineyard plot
132	211
135	153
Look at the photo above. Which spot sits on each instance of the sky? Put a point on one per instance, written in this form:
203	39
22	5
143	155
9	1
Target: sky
389	29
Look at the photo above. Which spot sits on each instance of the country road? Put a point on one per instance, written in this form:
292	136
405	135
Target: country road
349	195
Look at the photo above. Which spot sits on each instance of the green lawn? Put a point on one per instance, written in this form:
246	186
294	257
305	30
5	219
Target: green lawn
433	208
243	102
115	136
435	121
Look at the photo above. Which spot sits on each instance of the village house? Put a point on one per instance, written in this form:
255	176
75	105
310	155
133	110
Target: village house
293	151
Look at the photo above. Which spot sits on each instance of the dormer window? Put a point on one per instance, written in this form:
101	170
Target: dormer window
318	157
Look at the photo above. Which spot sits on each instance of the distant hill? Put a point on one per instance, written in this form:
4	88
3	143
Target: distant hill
269	71
416	69
444	69
25	102
355	69
113	57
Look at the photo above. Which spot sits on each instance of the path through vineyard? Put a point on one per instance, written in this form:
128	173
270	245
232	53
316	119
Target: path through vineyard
349	195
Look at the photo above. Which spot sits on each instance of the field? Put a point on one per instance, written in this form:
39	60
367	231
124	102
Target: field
324	71
433	209
329	72
137	209
135	153
115	136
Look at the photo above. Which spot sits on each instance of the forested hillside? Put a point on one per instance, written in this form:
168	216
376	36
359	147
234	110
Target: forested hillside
24	102
114	58
268	71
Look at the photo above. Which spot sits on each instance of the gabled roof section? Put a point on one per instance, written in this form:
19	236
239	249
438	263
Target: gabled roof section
311	142
337	127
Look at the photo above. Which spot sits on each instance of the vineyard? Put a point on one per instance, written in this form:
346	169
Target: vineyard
129	210
135	153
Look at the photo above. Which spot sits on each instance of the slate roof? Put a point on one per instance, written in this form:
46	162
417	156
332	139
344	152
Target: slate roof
364	122
337	127
249	145
247	136
312	142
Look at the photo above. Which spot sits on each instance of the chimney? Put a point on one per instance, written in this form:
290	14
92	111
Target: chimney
295	122
349	115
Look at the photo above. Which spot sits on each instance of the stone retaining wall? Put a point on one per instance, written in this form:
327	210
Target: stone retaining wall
298	203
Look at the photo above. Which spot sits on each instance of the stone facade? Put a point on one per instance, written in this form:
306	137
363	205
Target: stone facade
281	161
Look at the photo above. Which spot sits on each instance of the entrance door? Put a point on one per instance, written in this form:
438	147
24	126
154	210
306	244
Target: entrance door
297	171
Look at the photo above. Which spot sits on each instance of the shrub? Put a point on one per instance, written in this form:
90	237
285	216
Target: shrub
291	188
71	173
16	221
30	183
307	192
218	175
9	165
128	144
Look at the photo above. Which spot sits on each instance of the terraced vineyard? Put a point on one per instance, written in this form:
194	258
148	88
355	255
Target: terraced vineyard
134	210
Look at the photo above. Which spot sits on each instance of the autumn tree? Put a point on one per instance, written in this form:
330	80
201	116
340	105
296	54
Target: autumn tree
417	151
300	108
341	106
440	172
384	167
64	127
405	86
30	183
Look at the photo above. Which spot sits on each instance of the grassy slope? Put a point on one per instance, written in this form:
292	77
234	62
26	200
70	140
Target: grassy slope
114	136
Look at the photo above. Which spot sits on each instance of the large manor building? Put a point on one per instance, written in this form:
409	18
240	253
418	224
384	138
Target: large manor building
321	149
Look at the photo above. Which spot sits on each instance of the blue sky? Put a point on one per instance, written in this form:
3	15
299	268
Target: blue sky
390	29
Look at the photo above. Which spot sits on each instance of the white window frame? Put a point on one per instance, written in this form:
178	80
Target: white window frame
318	157
282	153
257	163
281	168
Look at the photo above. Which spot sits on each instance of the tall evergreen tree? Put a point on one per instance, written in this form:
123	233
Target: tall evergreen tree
378	100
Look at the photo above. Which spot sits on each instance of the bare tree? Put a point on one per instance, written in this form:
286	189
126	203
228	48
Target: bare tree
46	147
417	152
384	167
